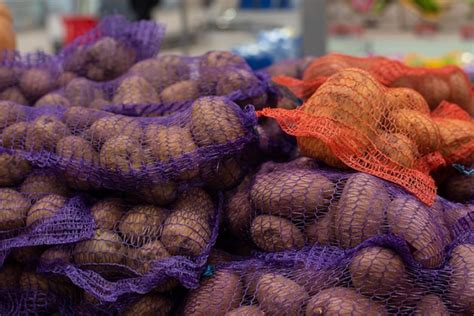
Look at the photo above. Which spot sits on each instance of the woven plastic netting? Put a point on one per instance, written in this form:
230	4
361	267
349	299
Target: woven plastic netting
139	247
354	121
202	145
288	206
379	277
448	83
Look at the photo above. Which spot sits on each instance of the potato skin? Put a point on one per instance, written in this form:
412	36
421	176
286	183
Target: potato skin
150	305
238	210
461	280
107	212
13	94
104	247
431	305
363	197
53	99
81	92
79	119
398	148
216	295
123	154
406	98
246	311
186	90
36	82
159	194
13	209
273	233
316	148
44	133
13	169
321	231
44	208
10	113
223	174
455	134
112	126
40	183
195	200
142	223
222	59
142	259
135	90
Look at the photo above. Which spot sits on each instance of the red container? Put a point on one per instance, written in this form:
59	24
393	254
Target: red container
75	26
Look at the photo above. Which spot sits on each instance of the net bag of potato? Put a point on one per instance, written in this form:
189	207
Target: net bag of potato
448	83
203	145
138	247
353	121
111	48
289	206
379	277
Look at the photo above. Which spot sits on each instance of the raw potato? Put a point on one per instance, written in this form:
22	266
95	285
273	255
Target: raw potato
454	135
221	292
37	82
238	210
434	89
10	113
123	154
411	220
108	212
459	188
13	94
142	224
291	193
360	212
13	169
7	77
431	305
459	84
44	133
77	150
222	59
195	200
321	231
158	194
398	148
142	259
45	208
405	98
169	144
461	282
278	295
150	305
9	276
246	311
459	216
78	118
214	121
273	233
377	271
223	174
186	90
112	126
100	104
14	136
65	77
13	209
53	99
234	80
135	90
40	183
343	301
81	92
316	148
55	254
104	247
185	233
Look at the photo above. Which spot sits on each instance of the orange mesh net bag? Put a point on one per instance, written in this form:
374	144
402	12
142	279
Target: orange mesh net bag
354	121
448	83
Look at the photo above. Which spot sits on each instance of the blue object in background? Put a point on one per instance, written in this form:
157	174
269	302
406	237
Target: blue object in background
266	4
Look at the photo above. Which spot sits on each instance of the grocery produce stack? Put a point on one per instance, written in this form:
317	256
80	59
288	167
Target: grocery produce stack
139	183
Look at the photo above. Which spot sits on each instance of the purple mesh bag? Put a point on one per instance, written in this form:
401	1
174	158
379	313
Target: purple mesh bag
137	248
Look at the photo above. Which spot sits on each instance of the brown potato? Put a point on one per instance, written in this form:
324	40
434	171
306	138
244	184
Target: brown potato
123	154
405	98
411	220
40	183
55	254
186	90
81	92
9	276
65	77
44	133
10	113
316	278
398	148
158	194
13	94
216	295
112	126
185	233
236	80
431	305
278	295
459	188
217	256
360	212
223	174
79	119
150	305
13	209
142	223
459	217
455	134
343	301
77	150
99	104
7	77
291	193
461	282
316	148
238	210
321	231
195	200
222	59
14	136
215	122
273	233
377	271
142	259
246	311
45	208
460	92
36	82
13	169
104	247
135	90
53	99
434	89
108	212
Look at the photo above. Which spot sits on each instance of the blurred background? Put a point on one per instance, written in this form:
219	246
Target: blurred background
420	32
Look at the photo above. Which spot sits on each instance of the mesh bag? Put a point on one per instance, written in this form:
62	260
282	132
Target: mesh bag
448	83
353	121
379	277
288	206
202	145
140	247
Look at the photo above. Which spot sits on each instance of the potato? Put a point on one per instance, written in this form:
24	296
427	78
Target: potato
79	119
278	295
142	259
405	98
170	143
7	77
454	135
65	77
377	271
123	154
159	194
459	217
135	90
291	193
45	208
223	174
10	113
142	223
273	233
108	212
13	209
185	233
411	220
105	247
217	256
77	150
40	183
238	210
81	92
321	231
236	80
461	278
44	133
13	169
418	127
434	89
459	188
56	254
195	200
460	92
37	289
27	255
112	126
343	301
13	94
186	90
222	59
315	278
150	305
14	136
216	295
53	98
36	82
431	305
397	148
316	148
246	311
360	212
9	276
100	104
215	121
